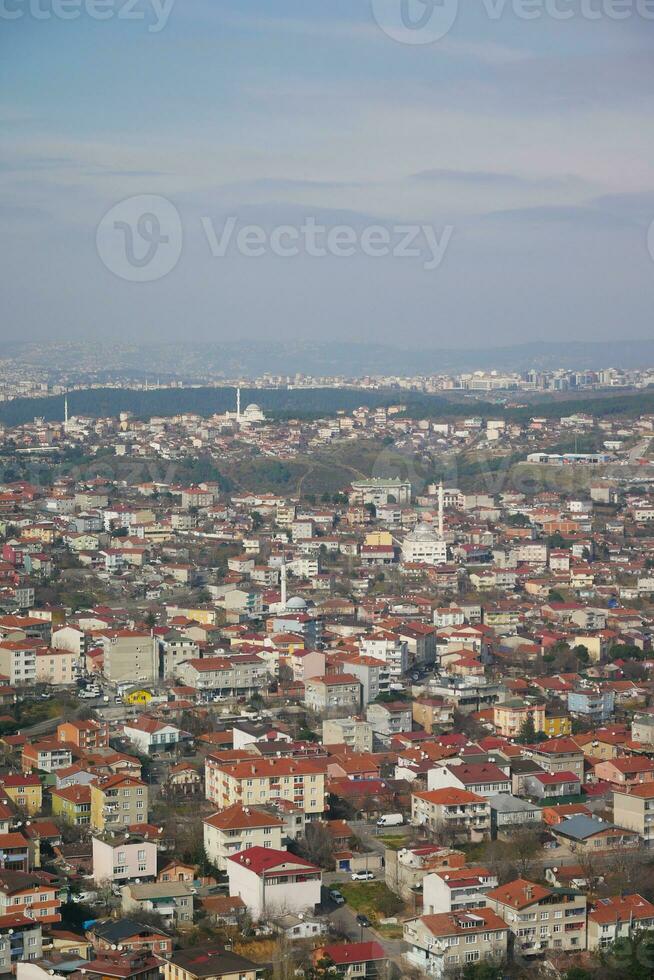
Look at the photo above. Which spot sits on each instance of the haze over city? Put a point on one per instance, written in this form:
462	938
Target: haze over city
523	145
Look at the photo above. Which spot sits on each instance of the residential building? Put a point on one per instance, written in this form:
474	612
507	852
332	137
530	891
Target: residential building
549	786
172	900
433	714
352	961
591	834
373	675
47	756
21	940
390	718
627	771
633	809
485	779
333	692
72	804
209	962
451	809
541	918
298	781
131	935
510	716
60	667
30	894
118	801
354	733
88	735
238	676
151	735
617	917
24	790
510	812
271	882
439	944
455	891
18	660
130	657
595	706
18	852
236	828
124	857
560	755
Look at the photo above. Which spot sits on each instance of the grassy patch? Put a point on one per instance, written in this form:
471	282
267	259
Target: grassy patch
372	898
390	931
394	841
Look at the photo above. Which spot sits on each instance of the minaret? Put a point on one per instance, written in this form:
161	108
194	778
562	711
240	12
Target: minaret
283	602
441	505
238	406
65	411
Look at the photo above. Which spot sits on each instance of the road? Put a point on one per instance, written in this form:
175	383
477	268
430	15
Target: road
639	450
344	919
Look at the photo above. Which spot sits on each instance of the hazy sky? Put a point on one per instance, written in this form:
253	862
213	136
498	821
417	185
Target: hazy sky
525	146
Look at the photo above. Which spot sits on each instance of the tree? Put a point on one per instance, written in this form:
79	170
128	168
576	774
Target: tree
525	845
631	957
581	653
527	730
318	846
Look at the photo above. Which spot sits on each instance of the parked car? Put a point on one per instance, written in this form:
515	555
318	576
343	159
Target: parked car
364	921
362	875
336	896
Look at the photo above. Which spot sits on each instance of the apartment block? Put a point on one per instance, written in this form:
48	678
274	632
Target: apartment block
298	781
541	918
117	802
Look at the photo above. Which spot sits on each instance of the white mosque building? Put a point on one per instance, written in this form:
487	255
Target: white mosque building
424	544
251	415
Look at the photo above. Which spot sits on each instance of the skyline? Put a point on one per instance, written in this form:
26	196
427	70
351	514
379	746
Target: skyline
528	139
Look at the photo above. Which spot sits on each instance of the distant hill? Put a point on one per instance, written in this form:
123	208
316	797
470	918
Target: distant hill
198	362
304	403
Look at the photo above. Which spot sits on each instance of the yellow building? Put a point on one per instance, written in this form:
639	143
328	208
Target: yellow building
140	696
556	725
24	790
72	804
379	539
509	717
117	802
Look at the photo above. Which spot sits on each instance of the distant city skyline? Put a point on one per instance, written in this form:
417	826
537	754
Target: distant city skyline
529	139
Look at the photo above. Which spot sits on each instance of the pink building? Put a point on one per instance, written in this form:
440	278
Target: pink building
628	771
272	882
124	858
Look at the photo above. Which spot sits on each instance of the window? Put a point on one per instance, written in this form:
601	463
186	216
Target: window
473	956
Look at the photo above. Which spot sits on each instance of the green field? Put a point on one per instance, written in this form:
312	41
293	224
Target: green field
372	898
